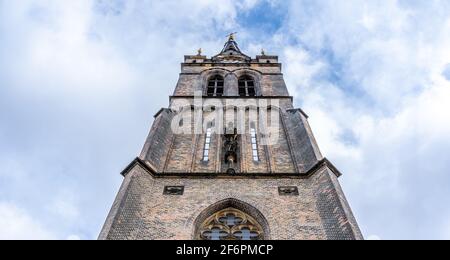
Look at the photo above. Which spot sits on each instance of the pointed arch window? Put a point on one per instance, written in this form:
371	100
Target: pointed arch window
231	224
247	86
215	86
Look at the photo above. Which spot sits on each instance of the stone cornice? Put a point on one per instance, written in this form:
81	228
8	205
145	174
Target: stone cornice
299	110
262	73
236	97
151	170
222	64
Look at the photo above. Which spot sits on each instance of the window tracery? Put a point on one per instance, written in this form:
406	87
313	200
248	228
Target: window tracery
231	224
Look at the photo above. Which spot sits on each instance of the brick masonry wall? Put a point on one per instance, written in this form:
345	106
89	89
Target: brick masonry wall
180	157
142	212
306	152
184	152
274	85
269	79
157	146
251	166
187	84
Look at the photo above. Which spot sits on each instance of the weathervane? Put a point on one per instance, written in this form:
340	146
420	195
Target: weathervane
231	36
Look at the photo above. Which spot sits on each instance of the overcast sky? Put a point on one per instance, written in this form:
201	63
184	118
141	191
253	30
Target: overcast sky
81	80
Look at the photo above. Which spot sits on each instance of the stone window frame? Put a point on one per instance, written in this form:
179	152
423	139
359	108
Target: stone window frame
234	203
247	84
219	83
231	224
257	79
231	79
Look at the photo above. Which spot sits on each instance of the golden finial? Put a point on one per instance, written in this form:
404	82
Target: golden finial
231	36
199	52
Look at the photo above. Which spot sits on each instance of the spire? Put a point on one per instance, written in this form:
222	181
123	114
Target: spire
231	44
231	52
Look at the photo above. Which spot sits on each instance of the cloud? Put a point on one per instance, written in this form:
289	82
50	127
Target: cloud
65	205
370	77
17	224
373	237
360	58
73	237
80	82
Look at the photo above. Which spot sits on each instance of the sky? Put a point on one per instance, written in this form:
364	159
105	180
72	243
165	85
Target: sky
81	80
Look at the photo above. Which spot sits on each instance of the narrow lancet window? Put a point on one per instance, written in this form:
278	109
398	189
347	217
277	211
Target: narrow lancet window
254	137
207	144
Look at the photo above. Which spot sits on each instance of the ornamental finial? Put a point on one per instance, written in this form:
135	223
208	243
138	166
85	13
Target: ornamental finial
199	52
232	36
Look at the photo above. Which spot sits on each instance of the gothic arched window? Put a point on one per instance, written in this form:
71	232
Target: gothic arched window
231	224
215	86
247	86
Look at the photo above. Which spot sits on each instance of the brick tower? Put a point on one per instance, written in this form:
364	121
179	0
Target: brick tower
231	159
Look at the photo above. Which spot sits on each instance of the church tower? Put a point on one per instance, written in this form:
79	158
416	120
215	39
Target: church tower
231	158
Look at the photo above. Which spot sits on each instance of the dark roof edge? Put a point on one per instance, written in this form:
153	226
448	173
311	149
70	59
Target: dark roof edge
150	170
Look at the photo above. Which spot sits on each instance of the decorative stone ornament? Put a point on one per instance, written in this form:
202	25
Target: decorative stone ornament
231	224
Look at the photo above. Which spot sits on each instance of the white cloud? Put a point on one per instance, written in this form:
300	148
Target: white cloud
373	237
60	50
301	69
17	224
390	61
73	237
371	78
65	205
82	78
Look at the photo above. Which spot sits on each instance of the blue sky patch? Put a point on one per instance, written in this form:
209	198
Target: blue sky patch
80	82
265	17
446	72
